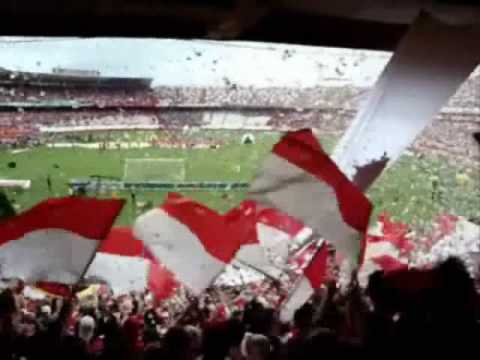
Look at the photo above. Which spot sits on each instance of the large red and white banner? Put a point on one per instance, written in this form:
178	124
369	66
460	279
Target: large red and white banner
56	240
265	246
300	179
191	240
431	62
313	278
126	264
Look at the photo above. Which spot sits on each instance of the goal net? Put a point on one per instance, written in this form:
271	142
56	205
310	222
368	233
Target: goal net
154	170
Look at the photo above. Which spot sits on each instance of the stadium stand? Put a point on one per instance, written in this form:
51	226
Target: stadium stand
35	104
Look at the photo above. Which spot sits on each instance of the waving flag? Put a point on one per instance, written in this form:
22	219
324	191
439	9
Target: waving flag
379	256
392	117
267	235
55	240
312	279
276	230
451	236
396	233
390	263
161	282
54	289
299	260
191	240
300	179
387	247
125	264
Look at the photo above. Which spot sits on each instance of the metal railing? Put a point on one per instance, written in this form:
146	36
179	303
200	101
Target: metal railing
93	185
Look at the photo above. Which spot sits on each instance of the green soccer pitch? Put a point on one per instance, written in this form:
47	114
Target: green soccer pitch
414	190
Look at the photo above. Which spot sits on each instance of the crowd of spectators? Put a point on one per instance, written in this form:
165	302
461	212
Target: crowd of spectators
405	313
329	109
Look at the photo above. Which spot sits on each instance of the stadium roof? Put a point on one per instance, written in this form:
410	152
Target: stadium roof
374	24
67	80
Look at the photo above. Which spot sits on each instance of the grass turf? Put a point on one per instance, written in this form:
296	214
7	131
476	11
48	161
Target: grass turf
414	190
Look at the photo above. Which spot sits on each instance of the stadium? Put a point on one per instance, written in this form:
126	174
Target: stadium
70	132
211	199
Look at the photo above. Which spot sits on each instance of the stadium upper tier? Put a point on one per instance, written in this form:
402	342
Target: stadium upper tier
58	90
31	104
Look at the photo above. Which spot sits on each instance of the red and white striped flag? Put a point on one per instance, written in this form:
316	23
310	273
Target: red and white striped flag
299	260
276	230
125	264
313	278
300	179
386	245
251	252
379	256
56	240
161	282
389	263
191	240
266	238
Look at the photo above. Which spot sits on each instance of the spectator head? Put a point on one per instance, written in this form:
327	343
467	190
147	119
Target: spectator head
126	307
302	318
256	347
252	315
231	332
86	328
379	293
45	310
457	294
87	310
177	344
195	340
29	325
7	303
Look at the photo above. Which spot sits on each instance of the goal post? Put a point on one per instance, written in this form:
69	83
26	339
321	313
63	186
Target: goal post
157	169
